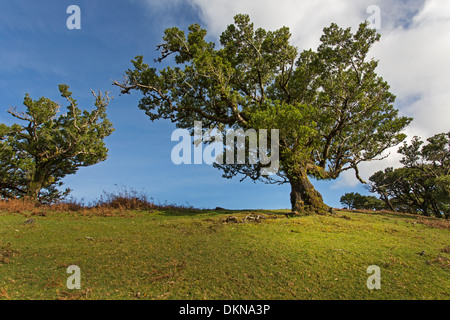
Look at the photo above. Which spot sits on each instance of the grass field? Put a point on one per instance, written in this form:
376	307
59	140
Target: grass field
195	254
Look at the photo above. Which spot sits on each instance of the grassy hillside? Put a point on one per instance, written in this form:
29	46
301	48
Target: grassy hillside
189	254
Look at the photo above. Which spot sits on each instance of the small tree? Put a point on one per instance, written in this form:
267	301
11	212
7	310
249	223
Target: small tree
35	156
332	109
357	201
422	185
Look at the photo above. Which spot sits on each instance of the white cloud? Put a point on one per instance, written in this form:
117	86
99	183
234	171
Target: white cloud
434	11
306	19
415	62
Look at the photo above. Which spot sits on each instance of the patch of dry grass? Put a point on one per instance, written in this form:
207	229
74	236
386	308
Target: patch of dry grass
123	202
434	222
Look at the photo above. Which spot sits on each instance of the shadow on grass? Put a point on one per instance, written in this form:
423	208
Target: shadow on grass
190	212
386	213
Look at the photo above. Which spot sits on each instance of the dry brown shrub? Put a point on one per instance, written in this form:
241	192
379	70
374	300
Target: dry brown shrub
18	205
435	222
124	199
123	202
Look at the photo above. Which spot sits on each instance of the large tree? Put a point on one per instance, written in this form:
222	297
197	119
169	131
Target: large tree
331	108
38	153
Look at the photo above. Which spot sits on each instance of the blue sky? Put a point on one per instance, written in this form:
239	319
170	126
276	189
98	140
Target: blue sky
38	52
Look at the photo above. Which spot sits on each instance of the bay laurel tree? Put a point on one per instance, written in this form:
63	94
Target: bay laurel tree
46	146
332	110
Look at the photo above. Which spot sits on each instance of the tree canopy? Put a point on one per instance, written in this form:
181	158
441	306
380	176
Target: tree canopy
354	200
37	154
331	108
422	185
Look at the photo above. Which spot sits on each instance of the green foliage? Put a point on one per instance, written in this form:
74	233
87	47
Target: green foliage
332	109
422	185
357	201
36	155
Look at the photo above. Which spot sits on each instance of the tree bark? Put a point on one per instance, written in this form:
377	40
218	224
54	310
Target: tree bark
305	199
385	198
33	191
36	184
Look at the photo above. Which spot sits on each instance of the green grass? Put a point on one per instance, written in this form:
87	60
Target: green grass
190	254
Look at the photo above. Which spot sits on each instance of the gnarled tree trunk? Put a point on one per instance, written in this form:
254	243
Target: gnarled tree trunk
33	191
36	184
305	199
